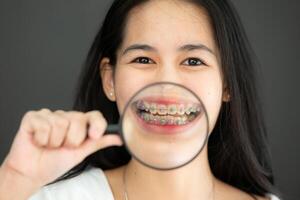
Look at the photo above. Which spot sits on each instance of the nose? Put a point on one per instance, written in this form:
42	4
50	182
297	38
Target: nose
171	74
168	73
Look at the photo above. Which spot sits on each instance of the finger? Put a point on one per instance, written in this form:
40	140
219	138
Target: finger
35	124
97	124
91	145
60	125
77	129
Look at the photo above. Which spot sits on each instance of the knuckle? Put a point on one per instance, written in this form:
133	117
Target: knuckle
96	113
74	112
29	114
77	116
97	119
59	111
45	110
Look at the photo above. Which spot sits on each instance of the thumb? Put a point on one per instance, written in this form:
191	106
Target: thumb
92	145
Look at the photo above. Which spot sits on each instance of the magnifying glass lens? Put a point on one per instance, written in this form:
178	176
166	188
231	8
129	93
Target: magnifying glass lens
164	125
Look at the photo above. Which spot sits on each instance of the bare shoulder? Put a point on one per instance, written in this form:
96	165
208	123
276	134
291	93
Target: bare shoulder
226	191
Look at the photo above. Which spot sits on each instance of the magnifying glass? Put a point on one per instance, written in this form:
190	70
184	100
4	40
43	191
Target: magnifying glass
164	125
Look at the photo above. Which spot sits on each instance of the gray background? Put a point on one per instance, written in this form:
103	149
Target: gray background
43	45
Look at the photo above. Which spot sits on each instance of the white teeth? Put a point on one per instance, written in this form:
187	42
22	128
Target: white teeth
162	109
187	109
172	109
170	120
153	109
180	109
164	120
147	106
180	121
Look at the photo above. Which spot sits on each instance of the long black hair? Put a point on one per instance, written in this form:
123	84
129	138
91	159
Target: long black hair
237	147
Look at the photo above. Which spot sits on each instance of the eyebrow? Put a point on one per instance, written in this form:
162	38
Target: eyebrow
186	47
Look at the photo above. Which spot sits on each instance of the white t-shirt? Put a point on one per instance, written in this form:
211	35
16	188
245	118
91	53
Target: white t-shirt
91	184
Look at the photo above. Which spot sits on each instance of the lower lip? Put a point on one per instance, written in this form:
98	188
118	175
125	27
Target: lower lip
166	129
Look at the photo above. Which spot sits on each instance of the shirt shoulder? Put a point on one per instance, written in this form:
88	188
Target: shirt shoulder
91	183
272	196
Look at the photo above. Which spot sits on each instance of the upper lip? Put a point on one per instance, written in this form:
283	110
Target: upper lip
166	100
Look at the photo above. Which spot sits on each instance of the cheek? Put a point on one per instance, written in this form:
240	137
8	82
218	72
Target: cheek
127	83
213	102
209	90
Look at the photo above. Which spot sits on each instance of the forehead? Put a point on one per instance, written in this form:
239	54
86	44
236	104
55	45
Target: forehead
168	24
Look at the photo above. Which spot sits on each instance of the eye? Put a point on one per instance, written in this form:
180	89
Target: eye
142	60
193	62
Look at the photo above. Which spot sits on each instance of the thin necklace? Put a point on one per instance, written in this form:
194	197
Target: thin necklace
125	186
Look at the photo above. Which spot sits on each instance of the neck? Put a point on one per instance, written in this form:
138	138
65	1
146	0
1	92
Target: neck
192	181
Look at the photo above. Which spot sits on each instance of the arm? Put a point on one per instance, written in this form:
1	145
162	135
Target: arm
14	186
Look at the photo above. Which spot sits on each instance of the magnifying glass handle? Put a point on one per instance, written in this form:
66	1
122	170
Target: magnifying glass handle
112	128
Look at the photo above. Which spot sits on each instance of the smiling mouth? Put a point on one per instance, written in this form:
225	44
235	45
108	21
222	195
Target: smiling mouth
166	112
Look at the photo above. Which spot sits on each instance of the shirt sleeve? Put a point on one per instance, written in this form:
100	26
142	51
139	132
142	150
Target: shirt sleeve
87	185
273	197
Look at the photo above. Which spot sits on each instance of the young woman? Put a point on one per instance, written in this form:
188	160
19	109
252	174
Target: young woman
197	43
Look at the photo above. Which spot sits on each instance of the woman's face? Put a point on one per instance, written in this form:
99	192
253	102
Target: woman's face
168	41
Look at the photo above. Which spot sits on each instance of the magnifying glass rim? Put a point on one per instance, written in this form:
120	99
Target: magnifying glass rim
122	119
